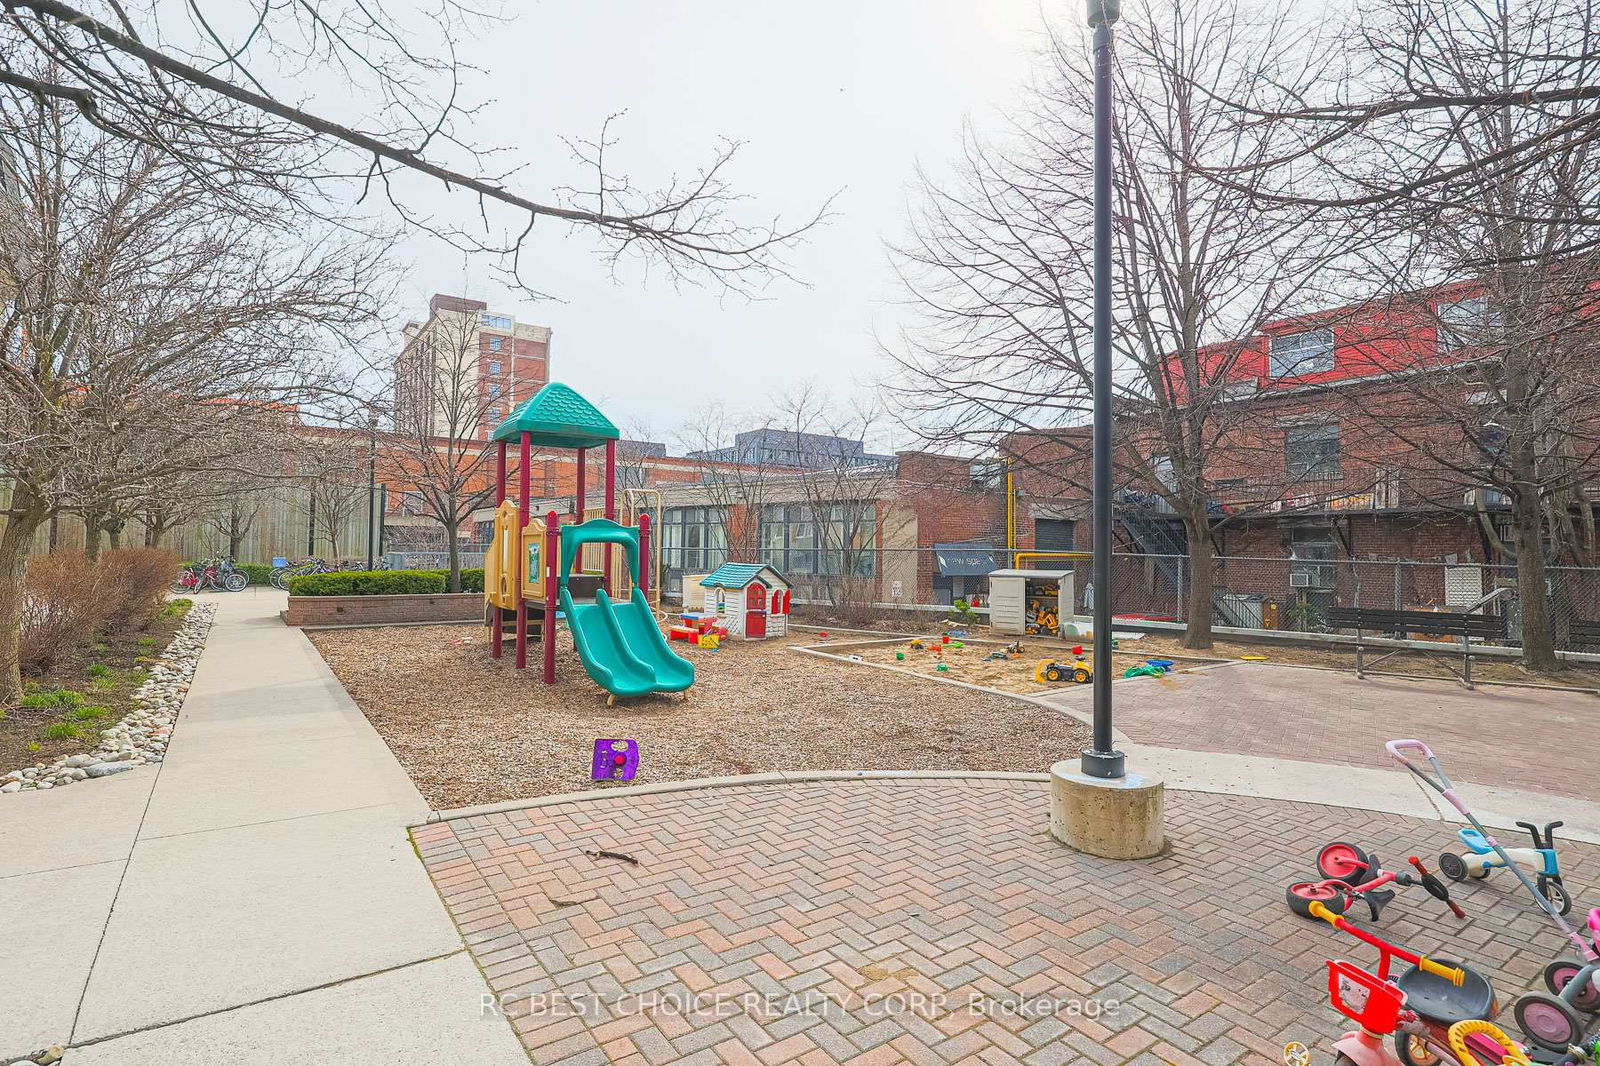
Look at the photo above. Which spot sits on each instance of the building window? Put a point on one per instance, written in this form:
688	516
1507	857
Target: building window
1294	354
988	473
1312	452
1161	467
495	368
694	539
495	343
494	391
494	412
798	539
1465	322
495	321
1311	548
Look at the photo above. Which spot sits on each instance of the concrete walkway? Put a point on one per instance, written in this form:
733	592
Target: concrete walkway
253	899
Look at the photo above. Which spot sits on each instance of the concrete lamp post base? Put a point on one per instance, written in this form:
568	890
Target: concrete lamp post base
1116	818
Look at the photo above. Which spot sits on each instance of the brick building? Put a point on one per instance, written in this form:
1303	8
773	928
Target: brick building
1338	439
460	371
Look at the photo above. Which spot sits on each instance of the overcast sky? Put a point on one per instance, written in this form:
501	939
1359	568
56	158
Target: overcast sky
831	96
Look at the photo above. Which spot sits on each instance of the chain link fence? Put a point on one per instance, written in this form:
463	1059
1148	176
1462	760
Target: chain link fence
1248	592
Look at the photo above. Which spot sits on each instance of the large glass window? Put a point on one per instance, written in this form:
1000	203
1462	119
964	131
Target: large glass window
798	539
1294	354
495	321
1312	452
694	539
1465	322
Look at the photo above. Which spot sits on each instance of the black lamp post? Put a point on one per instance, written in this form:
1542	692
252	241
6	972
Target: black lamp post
1101	759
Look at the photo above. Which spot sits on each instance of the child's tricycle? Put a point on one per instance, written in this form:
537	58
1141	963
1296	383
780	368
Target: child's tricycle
1350	873
1551	1021
1558	1020
1417	1009
1481	859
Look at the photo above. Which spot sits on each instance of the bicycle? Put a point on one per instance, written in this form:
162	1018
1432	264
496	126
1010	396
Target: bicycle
281	574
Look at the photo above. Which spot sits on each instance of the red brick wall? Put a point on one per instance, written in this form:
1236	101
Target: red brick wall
949	508
383	610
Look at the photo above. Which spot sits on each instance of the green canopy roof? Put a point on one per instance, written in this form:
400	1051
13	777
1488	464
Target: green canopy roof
557	417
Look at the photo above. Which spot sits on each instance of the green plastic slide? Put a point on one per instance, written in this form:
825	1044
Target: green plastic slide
622	648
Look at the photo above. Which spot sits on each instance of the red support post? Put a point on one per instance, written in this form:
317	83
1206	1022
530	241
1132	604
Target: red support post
644	555
496	614
552	561
525	479
578	510
611	503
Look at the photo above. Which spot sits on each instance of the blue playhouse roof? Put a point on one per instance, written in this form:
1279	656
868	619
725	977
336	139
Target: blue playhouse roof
737	575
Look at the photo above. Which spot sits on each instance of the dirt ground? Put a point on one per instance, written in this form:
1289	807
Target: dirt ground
103	676
969	663
472	730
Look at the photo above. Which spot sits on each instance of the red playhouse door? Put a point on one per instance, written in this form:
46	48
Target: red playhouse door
755	611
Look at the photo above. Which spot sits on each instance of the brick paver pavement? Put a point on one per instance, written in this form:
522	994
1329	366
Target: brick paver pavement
1523	738
804	905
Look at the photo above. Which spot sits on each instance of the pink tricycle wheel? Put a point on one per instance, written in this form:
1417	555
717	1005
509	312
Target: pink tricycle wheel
1345	862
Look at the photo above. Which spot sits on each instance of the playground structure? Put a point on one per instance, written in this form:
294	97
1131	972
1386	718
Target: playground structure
529	568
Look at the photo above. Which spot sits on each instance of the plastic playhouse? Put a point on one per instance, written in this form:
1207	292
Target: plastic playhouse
749	600
529	571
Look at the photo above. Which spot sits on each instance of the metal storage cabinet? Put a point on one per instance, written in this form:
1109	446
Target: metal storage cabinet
1011	590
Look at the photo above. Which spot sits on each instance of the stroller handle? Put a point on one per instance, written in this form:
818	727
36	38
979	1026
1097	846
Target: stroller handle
1397	748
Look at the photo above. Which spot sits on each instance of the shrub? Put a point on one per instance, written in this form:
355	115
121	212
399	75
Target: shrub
63	608
134	583
471	580
368	583
258	573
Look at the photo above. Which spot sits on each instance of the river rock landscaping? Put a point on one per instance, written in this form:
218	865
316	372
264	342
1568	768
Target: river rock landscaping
142	734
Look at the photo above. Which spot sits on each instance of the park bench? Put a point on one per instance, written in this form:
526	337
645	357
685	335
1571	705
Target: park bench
1427	623
1583	633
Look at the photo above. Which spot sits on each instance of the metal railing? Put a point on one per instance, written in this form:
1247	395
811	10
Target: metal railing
1248	592
471	559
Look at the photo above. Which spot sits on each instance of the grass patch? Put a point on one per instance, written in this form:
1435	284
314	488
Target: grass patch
61	731
177	608
86	714
50	698
97	670
146	642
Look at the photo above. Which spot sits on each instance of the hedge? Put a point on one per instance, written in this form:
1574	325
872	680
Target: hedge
370	583
258	573
471	580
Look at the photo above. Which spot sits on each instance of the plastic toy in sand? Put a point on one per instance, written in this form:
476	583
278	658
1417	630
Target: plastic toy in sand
615	759
1049	671
1149	668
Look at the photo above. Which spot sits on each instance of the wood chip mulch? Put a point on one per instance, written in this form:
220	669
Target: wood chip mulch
472	730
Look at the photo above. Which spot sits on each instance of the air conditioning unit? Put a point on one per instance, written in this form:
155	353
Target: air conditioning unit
1300	579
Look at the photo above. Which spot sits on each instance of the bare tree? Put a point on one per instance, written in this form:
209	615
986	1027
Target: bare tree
332	468
1481	171
149	328
446	405
1383	121
1000	267
841	488
737	481
212	93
